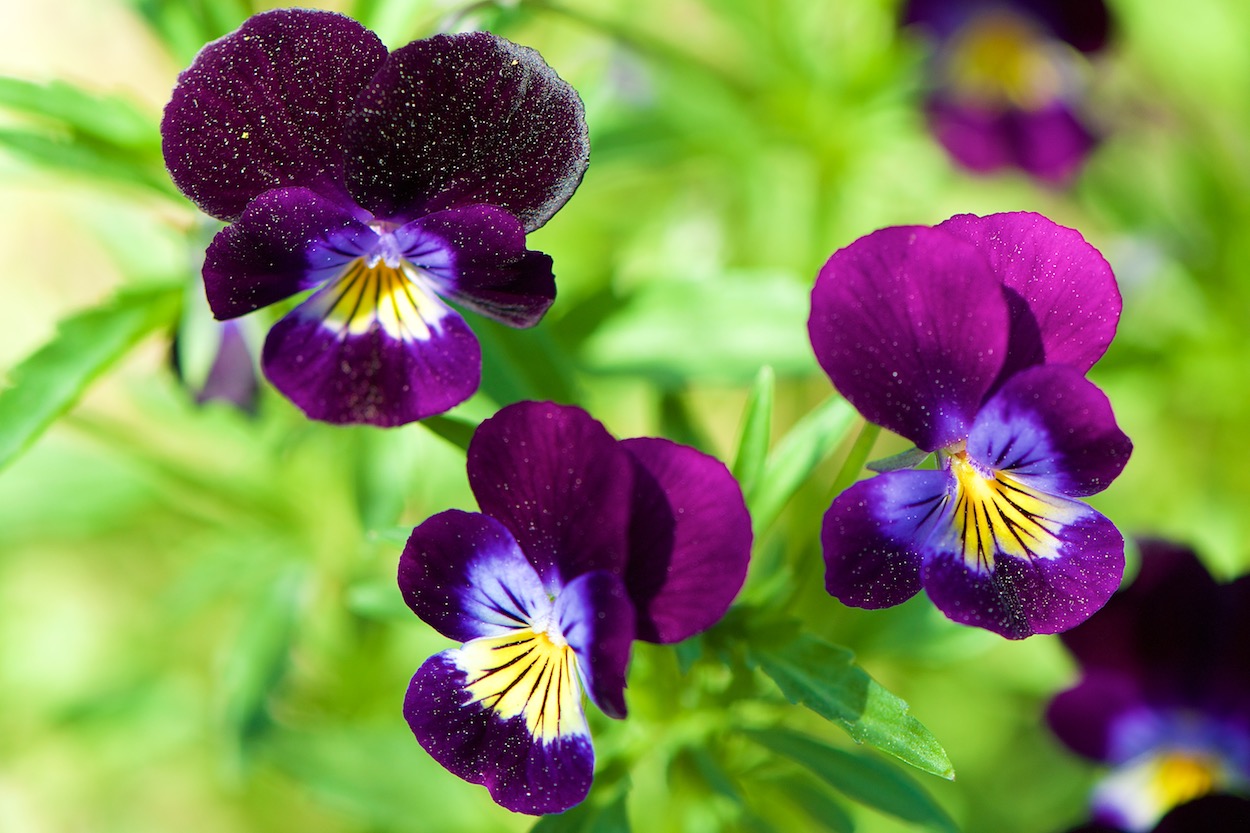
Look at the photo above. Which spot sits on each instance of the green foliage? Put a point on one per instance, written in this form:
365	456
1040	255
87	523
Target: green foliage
757	421
587	818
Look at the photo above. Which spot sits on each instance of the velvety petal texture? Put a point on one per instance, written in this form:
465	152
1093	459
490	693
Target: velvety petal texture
595	616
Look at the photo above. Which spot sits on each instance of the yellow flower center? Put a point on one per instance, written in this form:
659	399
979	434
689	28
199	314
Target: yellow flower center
999	59
369	295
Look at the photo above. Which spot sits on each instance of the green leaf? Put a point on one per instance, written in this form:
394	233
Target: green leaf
826	679
869	781
816	802
908	459
809	443
586	818
455	430
49	381
65	155
107	118
757	420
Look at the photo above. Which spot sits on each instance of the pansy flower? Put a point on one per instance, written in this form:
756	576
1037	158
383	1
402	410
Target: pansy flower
971	339
1007	87
1209	814
1164	693
386	183
583	544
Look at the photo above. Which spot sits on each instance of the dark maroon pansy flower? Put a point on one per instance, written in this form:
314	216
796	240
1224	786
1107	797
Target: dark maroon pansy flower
1209	814
972	339
1164	693
1007	87
584	543
386	183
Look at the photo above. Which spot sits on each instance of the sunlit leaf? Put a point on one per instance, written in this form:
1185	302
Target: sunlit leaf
62	154
817	803
108	118
50	380
586	818
757	419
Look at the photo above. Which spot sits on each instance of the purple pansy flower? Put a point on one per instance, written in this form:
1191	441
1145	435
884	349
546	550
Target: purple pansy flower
1164	694
584	543
971	339
1209	814
1007	88
384	182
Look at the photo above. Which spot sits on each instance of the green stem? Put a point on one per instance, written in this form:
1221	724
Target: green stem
856	457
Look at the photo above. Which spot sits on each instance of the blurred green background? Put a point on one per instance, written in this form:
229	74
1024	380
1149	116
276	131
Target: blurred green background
199	629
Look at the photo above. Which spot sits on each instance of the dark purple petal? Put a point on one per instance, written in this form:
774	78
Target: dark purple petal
874	533
690	540
376	376
476	255
1052	142
1052	429
266	107
465	576
979	138
1085	716
1062	295
560	482
458	120
1084	24
232	377
287	241
910	323
524	773
1020	597
596	617
1210	814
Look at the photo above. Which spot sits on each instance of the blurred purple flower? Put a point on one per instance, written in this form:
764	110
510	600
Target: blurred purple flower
1007	84
583	544
384	182
1164	694
971	339
1209	814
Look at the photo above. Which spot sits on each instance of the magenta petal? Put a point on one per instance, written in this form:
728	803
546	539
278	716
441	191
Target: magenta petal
372	378
560	482
266	107
874	533
1051	428
467	119
978	138
1020	597
597	619
464	575
286	241
1063	297
1052	143
910	323
690	540
523	773
476	255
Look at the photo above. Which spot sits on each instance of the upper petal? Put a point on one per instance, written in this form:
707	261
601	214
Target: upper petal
595	616
465	576
1062	295
910	323
463	119
1085	24
286	241
1052	428
266	107
690	540
560	482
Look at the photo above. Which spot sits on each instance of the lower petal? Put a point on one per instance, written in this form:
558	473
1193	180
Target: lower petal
873	536
526	770
386	361
1044	591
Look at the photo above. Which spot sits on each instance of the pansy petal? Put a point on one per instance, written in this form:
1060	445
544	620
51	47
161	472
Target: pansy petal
1084	717
465	576
978	138
1051	428
464	119
232	377
1210	814
266	107
403	361
1038	593
560	482
1084	24
873	536
526	769
594	614
476	255
286	241
1063	297
1052	143
690	540
910	323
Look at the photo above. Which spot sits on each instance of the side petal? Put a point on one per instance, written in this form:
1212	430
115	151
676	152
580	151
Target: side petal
525	771
1021	596
978	138
1052	143
1062	295
465	119
910	323
1085	716
874	533
690	540
266	107
286	241
360	367
597	619
465	576
560	482
1052	429
476	256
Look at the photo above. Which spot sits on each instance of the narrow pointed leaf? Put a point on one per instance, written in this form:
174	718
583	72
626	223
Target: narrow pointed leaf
108	118
818	804
757	422
908	459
